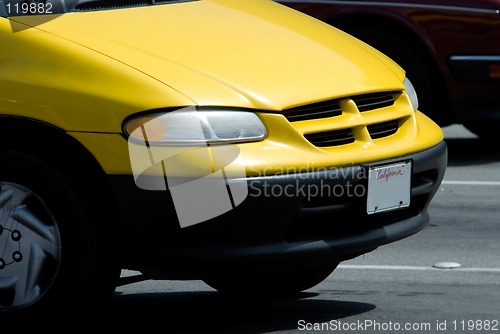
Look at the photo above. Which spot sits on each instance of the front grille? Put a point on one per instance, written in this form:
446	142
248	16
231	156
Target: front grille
384	129
369	102
313	111
331	123
331	138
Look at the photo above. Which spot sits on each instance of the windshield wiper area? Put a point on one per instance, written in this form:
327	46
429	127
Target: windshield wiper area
106	4
85	5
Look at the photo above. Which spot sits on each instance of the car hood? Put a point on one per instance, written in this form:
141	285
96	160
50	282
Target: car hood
255	54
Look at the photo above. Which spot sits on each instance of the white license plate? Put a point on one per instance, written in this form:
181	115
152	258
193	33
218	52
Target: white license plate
389	187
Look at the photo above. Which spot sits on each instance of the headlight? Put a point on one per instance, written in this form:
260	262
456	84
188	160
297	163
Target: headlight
412	93
189	126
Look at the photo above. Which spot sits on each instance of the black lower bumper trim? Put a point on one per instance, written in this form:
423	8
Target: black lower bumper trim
271	230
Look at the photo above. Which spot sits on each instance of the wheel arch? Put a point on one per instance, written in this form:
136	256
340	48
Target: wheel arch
69	157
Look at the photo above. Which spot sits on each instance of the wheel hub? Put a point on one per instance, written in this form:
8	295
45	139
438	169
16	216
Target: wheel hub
30	247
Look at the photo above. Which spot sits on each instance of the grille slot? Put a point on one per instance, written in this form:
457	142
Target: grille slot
332	108
331	138
313	111
384	129
373	101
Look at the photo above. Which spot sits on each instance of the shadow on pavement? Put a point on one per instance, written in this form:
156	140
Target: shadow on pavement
210	312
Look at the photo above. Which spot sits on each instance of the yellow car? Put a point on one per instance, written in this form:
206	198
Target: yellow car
237	142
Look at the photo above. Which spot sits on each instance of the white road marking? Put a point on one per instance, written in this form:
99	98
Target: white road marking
472	183
422	268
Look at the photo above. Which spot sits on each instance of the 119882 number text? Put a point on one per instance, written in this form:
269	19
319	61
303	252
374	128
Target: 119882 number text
29	8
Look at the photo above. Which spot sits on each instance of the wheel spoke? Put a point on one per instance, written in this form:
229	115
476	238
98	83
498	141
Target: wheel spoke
5	197
28	288
9	193
24	216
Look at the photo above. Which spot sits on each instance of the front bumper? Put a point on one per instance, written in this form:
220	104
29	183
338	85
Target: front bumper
264	230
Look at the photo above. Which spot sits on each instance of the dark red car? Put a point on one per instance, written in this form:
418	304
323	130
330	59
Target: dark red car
450	50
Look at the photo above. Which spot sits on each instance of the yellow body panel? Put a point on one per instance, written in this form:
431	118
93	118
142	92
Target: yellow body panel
91	70
285	59
50	79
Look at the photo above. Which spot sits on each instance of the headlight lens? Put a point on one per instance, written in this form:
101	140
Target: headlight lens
412	93
189	126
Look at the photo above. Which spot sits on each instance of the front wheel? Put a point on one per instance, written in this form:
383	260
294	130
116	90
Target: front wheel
53	258
259	284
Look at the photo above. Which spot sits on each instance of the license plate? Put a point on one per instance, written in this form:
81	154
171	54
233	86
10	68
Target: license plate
389	187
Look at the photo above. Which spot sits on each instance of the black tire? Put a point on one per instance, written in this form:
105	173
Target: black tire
55	261
264	285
